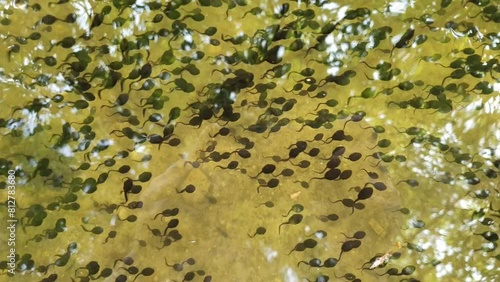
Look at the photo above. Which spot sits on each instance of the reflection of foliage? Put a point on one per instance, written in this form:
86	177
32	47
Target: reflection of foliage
289	67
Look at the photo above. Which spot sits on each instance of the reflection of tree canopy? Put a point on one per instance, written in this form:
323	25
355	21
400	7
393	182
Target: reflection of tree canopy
313	103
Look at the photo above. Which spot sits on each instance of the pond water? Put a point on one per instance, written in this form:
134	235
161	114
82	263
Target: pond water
249	141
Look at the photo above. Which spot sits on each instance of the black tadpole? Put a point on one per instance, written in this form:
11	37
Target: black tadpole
332	163
314	262
130	270
371	174
331	174
126	261
148	271
338	151
224	131
303	164
329	217
130	218
266	169
180	266
300	247
92	268
301	145
404	39
294	219
173	223
272	183
287	172
190	188
344	175
349	203
303	184
167	213
166	242
354	156
410	182
295	208
174	234
268	204
338	135
156	232
330	262
357	235
363	194
310	243
127	187
317	137
357	117
407	270
380	186
111	235
347	276
292	154
348	246
391	272
259	231
245	154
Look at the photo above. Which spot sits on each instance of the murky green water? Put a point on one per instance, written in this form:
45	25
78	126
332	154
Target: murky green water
249	141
